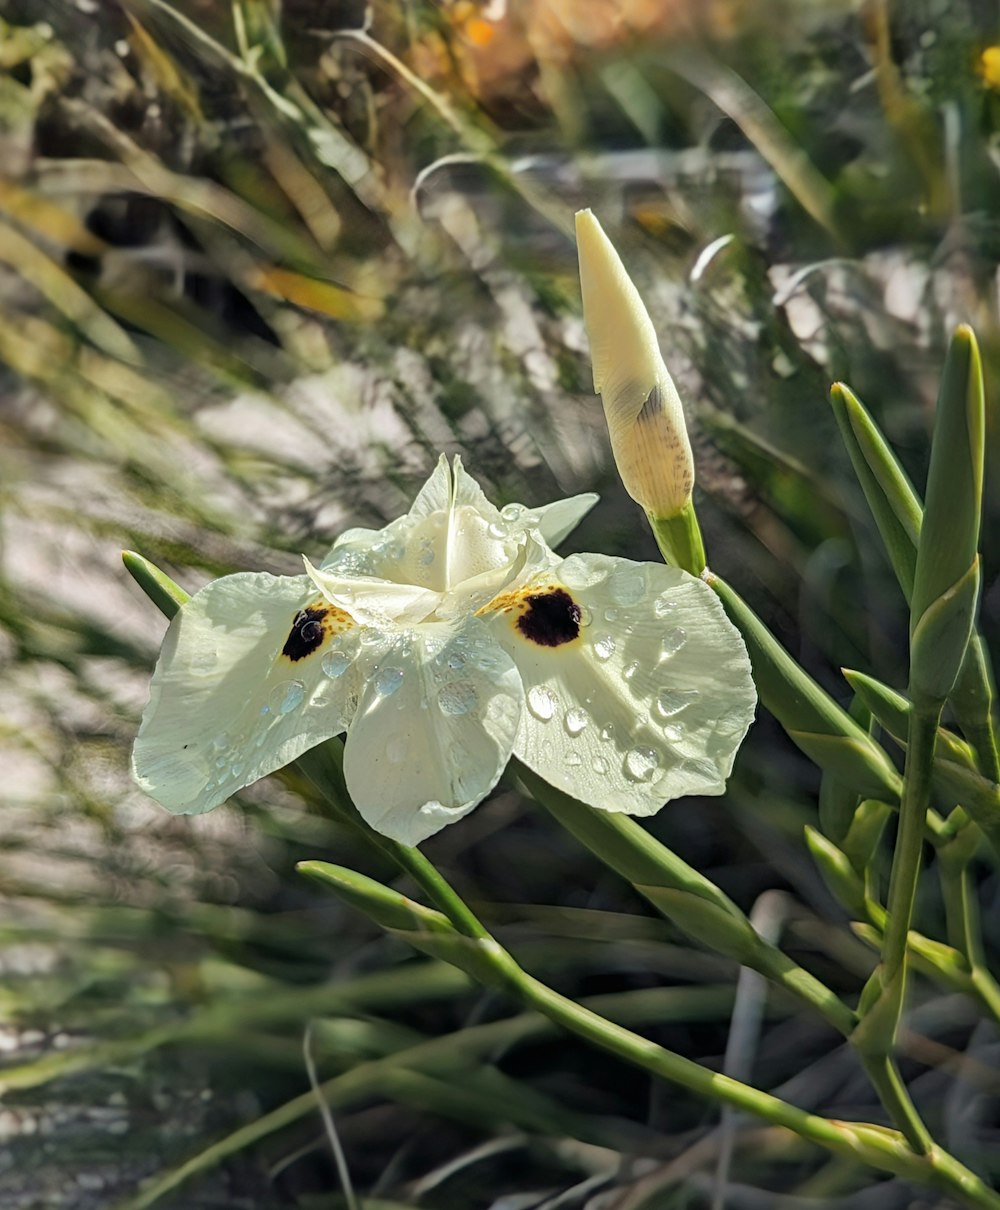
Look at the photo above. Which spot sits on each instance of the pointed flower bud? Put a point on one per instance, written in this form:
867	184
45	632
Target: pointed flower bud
645	418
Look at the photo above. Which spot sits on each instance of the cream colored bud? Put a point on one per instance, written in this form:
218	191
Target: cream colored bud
645	418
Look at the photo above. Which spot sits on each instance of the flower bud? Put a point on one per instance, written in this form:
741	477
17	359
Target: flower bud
645	418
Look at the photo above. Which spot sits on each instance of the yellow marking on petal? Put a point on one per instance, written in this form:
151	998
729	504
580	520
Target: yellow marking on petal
312	627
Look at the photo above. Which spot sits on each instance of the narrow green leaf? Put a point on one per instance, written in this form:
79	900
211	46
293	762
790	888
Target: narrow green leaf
167	596
894	504
812	719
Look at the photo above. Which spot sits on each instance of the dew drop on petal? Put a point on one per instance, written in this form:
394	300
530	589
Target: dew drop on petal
236	769
456	660
221	762
663	605
574	760
458	697
222	742
674	731
599	764
335	664
673	701
611	615
284	698
586	615
630	670
496	529
640	764
388	680
629	586
604	647
512	512
576	720
542	702
608	732
672	642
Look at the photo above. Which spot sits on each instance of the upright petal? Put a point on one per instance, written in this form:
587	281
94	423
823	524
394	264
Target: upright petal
433	730
254	670
638	688
557	520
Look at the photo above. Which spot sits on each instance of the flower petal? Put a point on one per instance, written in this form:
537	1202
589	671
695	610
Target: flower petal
637	686
557	520
255	669
372	601
434	728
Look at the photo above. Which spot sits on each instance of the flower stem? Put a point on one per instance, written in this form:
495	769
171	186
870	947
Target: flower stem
876	1146
883	999
908	851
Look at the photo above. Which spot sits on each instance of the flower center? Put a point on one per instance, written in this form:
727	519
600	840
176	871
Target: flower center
551	618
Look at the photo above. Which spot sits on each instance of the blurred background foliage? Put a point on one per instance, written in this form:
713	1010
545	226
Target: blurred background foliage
259	264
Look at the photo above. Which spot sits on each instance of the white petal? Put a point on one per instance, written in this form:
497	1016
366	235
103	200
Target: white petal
372	601
433	730
637	686
244	684
558	519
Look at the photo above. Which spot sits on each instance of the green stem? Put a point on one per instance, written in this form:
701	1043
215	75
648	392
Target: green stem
883	1149
906	858
679	539
885	995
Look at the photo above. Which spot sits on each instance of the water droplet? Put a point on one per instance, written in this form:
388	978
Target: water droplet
335	664
221	762
456	660
574	759
388	680
663	605
672	642
599	764
370	636
284	698
576	720
630	670
265	709
640	764
236	769
586	615
673	701
426	556
496	529
628	587
511	512
458	697
611	615
604	648
261	740
674	732
608	731
222	742
542	702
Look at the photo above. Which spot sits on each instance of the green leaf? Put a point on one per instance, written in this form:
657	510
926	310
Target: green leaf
824	731
894	504
946	579
167	596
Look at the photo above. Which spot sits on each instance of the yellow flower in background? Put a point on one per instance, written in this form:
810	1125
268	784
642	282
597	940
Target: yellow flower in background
989	67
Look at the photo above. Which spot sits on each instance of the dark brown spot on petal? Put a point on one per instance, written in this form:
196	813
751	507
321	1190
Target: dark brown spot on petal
550	619
307	633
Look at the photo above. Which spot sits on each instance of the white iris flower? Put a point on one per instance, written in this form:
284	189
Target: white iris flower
442	644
